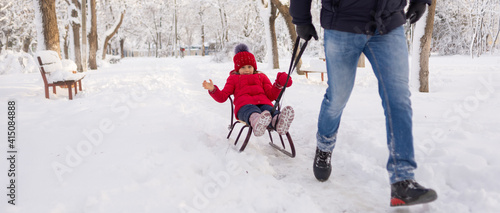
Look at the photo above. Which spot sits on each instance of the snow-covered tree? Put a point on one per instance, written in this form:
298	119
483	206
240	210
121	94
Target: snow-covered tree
74	42
16	25
92	36
466	26
421	49
161	27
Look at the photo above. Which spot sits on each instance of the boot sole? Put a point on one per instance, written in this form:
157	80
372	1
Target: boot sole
425	198
261	126
284	121
322	175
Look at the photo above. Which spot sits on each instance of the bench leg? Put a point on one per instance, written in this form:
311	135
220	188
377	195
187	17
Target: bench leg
69	91
76	84
54	89
47	92
80	87
322	79
307	75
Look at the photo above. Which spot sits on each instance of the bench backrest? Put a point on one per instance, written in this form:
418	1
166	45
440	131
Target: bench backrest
49	60
53	68
42	70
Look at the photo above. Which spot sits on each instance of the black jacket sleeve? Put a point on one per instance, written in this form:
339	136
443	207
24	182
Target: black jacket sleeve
300	10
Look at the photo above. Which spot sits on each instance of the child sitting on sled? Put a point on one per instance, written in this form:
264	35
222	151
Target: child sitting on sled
253	94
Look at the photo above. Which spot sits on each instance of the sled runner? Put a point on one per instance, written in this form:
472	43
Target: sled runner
290	151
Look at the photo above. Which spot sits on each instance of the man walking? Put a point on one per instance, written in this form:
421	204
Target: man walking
372	27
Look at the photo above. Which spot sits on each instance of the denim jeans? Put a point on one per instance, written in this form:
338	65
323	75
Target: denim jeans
247	110
388	55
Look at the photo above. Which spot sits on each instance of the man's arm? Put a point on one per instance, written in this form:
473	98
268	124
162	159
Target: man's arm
300	10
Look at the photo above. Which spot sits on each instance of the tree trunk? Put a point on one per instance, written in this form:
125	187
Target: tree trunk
122	41
202	40
223	19
288	18
425	48
76	37
77	47
7	40
284	10
108	37
494	39
272	26
93	36
49	24
223	40
176	48
200	15
66	42
157	38
84	36
226	26
26	44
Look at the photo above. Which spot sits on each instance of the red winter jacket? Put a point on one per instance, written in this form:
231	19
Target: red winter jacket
253	89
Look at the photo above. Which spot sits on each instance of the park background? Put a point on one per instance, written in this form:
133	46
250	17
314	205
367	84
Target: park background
144	136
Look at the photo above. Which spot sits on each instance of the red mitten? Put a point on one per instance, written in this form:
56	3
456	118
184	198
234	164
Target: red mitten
281	79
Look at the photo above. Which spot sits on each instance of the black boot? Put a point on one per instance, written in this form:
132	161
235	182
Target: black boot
409	192
322	165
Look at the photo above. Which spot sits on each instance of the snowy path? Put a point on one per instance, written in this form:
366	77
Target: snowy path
145	137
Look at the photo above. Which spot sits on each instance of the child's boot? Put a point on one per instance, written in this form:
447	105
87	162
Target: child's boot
259	122
283	120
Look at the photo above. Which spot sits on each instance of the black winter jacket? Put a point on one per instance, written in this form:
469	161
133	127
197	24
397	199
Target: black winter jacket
355	16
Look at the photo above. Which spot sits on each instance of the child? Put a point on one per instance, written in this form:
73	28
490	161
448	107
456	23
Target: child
253	94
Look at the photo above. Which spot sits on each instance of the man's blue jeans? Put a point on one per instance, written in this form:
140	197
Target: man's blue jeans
388	55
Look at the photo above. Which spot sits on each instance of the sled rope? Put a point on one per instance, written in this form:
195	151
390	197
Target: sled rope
291	68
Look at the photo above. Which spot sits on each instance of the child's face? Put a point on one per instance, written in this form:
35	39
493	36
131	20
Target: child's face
246	70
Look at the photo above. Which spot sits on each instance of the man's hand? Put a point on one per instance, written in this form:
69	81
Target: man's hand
415	11
209	85
306	31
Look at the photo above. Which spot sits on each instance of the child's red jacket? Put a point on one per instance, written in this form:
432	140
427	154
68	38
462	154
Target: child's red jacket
253	89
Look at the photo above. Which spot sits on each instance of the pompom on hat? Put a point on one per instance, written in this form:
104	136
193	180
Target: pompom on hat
243	57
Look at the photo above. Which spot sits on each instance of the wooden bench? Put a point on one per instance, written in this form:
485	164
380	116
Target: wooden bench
322	68
50	64
315	67
311	71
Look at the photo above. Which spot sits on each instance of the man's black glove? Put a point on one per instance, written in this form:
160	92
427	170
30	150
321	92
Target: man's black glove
306	31
415	11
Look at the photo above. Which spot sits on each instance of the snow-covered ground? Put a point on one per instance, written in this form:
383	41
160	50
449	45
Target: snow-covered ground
144	136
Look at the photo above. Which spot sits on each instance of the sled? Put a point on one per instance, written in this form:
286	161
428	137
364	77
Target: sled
289	151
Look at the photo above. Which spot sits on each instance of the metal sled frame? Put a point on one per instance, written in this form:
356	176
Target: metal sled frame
281	148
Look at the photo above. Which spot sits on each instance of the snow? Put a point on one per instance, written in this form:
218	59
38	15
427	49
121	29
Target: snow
314	64
144	136
17	62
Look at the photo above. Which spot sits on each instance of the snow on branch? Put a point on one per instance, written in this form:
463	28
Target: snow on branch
6	6
110	33
113	29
